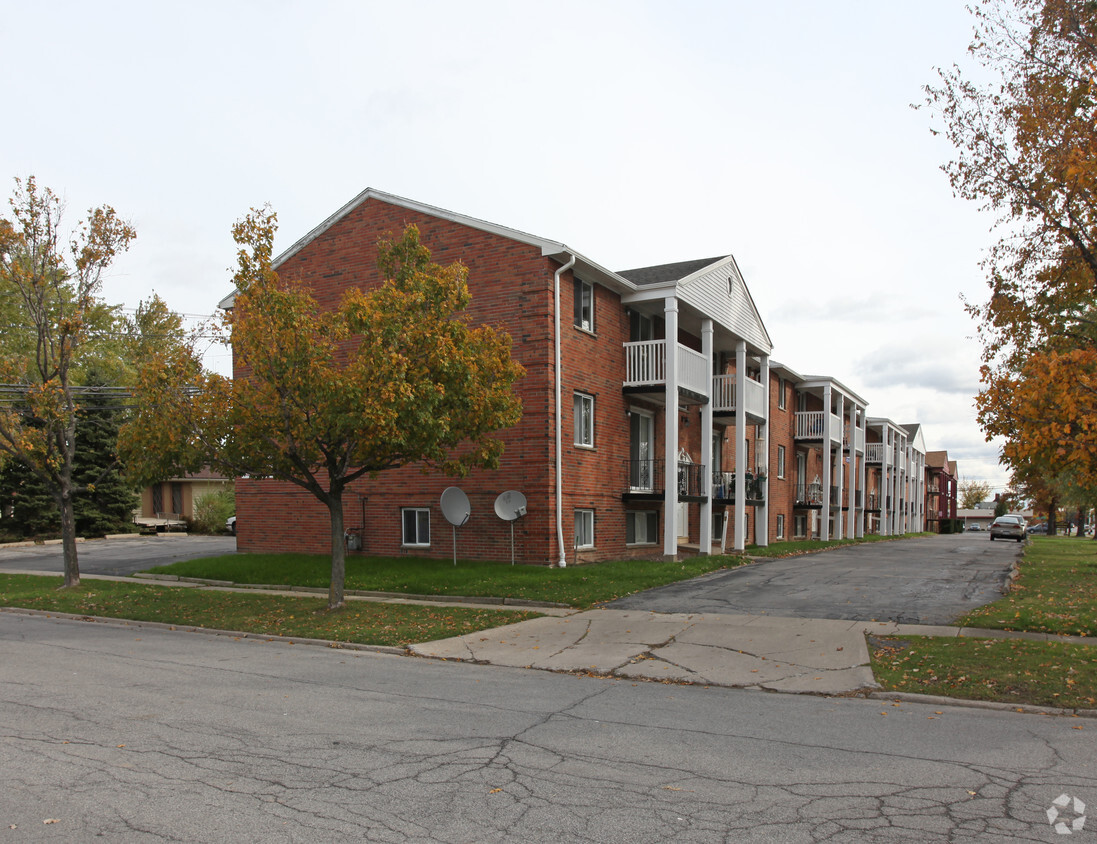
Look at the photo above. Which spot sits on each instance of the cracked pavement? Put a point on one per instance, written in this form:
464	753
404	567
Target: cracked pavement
152	735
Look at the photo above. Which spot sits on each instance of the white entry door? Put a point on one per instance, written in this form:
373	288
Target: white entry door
683	522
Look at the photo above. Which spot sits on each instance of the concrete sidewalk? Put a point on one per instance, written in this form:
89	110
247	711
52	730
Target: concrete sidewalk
821	656
812	656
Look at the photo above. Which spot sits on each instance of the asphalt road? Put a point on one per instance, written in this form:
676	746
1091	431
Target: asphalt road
924	580
117	556
133	735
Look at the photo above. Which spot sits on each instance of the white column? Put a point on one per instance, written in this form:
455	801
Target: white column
761	514
740	445
706	443
670	451
839	528
824	528
863	475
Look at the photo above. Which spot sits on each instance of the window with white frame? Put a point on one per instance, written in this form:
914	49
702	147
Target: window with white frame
584	305
780	525
584	420
584	528
416	525
782	402
641	527
780	461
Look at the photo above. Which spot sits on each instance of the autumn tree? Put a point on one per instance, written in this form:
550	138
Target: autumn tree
973	493
392	376
52	295
1027	152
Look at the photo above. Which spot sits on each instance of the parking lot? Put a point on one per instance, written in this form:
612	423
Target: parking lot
117	556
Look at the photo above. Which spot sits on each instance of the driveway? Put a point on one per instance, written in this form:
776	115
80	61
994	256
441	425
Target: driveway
925	580
117	556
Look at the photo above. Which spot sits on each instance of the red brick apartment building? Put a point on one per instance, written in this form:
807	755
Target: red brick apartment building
653	417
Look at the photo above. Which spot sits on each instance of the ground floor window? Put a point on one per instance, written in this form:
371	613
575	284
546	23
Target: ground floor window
800	526
641	526
584	528
416	522
780	525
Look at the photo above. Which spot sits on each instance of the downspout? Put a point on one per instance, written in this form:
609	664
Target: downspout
559	421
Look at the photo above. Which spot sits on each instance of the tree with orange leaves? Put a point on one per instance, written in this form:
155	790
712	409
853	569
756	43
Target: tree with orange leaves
1027	151
392	376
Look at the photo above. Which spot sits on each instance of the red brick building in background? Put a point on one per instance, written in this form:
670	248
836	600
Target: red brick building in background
653	419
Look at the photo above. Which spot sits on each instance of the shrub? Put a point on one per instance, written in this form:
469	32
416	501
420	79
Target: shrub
212	509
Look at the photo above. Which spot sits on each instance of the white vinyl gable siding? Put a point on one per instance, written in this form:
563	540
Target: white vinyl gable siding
708	292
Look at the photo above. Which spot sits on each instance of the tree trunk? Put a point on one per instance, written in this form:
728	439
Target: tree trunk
1052	525
338	551
68	539
1081	522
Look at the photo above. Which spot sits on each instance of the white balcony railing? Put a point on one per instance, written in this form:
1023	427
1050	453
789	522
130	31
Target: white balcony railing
724	397
874	452
646	365
809	425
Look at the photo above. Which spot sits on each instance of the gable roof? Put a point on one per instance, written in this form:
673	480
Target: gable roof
668	272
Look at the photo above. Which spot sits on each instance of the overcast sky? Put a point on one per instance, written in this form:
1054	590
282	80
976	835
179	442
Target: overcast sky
638	133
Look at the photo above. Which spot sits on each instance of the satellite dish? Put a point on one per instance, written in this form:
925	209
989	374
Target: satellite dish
510	505
455	506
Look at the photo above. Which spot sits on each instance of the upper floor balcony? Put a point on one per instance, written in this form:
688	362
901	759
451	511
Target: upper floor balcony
874	452
810	425
755	402
723	487
646	367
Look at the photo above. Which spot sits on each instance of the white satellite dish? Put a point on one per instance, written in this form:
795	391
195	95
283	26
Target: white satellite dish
510	506
455	507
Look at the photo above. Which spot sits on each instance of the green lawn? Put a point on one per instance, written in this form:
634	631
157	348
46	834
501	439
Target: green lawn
1010	670
577	586
1055	593
361	622
793	547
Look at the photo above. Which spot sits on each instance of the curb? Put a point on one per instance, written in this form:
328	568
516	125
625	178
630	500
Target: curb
1027	708
360	593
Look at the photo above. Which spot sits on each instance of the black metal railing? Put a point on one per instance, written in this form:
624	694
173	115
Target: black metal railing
809	494
723	486
645	476
691	480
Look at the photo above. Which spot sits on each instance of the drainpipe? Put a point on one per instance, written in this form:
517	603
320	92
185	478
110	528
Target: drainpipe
559	421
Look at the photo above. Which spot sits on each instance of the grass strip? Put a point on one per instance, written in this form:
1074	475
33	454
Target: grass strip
362	622
1010	670
577	586
1056	591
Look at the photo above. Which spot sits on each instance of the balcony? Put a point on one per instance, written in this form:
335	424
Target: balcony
809	495
874	452
723	488
810	425
872	502
646	480
646	367
755	404
858	442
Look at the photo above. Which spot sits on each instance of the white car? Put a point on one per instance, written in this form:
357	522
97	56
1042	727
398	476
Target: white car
230	525
1008	527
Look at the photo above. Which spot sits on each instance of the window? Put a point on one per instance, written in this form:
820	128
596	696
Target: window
157	500
800	526
780	461
584	305
416	522
641	526
641	327
782	402
780	525
584	420
584	528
